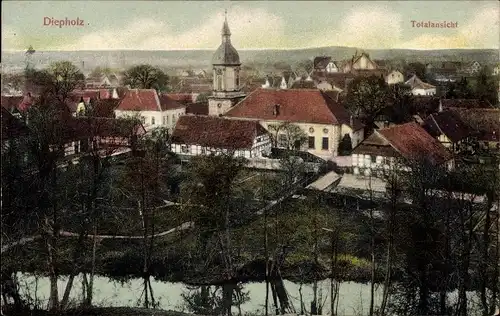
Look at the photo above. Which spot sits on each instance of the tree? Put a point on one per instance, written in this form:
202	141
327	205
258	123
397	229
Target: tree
202	97
287	135
210	199
58	80
460	90
146	77
29	55
417	69
401	100
366	98
486	86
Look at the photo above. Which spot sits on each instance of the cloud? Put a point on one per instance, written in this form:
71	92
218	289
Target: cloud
251	28
481	31
367	26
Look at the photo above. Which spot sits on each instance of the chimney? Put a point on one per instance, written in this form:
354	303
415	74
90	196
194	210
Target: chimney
276	111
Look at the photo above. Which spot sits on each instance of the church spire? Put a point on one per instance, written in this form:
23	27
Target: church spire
225	28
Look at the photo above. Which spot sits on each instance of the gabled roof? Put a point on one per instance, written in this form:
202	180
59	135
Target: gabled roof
416	83
485	122
216	132
449	124
12	127
320	62
409	141
181	97
295	105
146	100
167	103
465	103
413	143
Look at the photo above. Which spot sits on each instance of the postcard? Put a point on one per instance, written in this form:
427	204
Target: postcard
250	158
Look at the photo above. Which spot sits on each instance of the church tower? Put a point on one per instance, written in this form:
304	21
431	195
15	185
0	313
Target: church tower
226	90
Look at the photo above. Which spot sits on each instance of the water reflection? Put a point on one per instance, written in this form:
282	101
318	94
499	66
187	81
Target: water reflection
215	300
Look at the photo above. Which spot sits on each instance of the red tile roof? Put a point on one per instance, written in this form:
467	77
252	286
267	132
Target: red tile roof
140	100
307	106
216	132
167	103
146	100
181	97
486	122
414	144
197	108
449	124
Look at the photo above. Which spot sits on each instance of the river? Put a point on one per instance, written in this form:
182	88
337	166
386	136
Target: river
354	297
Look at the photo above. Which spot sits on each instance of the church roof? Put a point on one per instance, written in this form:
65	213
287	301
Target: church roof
226	54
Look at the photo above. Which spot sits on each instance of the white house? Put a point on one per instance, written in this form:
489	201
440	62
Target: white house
394	77
201	135
325	64
418	87
324	121
153	109
385	148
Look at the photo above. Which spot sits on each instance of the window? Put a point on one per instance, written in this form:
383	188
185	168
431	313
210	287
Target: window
311	142
373	159
237	79
163	121
219	82
143	119
185	149
324	144
325	130
152	120
311	130
282	140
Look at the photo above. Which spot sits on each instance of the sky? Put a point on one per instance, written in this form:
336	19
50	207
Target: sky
174	25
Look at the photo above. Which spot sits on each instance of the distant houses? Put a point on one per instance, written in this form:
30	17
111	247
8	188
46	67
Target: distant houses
152	109
418	87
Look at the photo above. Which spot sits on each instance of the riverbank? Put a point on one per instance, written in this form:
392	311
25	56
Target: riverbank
96	311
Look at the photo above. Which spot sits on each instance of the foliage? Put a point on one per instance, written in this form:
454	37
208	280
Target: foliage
486	87
288	135
146	77
367	97
59	79
202	97
401	100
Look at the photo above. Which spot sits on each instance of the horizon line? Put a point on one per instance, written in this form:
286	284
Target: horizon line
246	49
